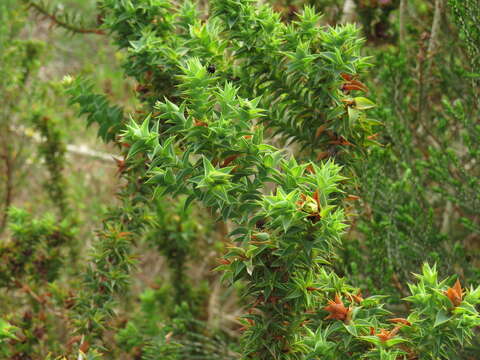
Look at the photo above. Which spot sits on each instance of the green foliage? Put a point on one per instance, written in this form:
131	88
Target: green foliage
237	194
7	331
250	131
427	200
31	259
375	18
20	60
295	70
97	107
442	322
466	14
176	235
175	335
301	66
107	274
34	252
52	149
218	142
205	143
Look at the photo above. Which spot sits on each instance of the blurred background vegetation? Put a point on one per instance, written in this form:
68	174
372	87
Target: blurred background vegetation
419	198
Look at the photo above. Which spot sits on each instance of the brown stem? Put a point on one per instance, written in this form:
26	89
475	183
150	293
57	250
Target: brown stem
348	11
65	25
426	57
8	187
402	16
435	33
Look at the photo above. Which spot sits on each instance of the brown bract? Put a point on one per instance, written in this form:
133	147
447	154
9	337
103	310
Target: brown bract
351	197
200	123
338	310
349	85
229	159
386	335
224	261
455	293
401	321
358	298
320	130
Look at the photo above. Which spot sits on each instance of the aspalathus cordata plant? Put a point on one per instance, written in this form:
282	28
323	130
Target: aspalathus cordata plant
213	89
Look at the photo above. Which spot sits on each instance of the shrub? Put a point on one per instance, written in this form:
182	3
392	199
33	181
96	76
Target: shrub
251	136
206	143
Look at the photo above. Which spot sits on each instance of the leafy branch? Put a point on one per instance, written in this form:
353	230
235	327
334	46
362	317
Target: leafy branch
61	19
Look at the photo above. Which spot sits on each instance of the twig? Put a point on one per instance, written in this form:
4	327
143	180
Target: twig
82	150
348	10
8	187
447	215
425	57
437	18
423	64
65	25
402	16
